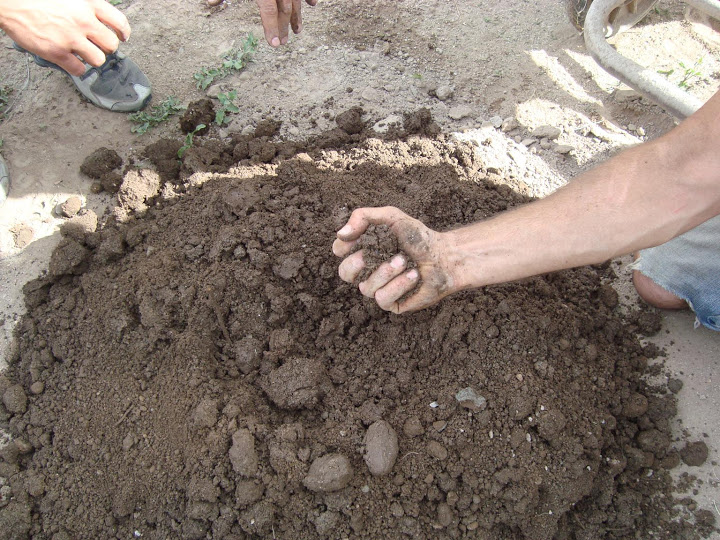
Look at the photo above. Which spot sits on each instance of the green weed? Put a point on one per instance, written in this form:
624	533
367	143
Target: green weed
687	74
232	61
145	120
189	140
227	106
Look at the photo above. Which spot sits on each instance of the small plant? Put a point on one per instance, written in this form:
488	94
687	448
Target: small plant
115	2
232	61
145	120
688	73
227	106
189	140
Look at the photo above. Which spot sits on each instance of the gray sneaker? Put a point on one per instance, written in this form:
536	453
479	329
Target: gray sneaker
118	85
4	181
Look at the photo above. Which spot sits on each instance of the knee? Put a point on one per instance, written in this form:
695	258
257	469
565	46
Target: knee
655	295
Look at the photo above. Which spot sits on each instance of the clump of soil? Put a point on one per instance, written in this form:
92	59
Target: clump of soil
101	162
200	371
198	112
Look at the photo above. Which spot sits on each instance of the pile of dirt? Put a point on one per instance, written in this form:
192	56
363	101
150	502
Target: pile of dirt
196	369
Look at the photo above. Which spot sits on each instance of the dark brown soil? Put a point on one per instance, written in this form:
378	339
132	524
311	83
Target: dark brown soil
198	370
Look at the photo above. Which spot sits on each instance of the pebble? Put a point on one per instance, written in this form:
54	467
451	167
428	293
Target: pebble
15	400
545	144
563	148
444	92
509	124
675	385
459	112
437	450
331	472
440	425
546	132
528	142
640	131
381	448
37	388
632	127
470	399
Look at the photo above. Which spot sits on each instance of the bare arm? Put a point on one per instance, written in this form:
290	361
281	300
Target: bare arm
641	198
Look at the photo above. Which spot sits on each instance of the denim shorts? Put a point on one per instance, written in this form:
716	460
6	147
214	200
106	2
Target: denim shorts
689	267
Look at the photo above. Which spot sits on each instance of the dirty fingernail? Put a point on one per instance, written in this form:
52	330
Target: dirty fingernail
397	262
345	230
412	274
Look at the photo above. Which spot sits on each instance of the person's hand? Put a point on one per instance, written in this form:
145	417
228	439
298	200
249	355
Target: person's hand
391	281
277	15
62	30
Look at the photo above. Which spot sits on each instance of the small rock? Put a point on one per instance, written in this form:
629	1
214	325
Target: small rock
15	400
470	399
460	112
546	132
545	144
70	207
509	124
563	148
624	95
331	472
381	448
632	127
213	3
496	122
640	131
37	388
528	141
444	92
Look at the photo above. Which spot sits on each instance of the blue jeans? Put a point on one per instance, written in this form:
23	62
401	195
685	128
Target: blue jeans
689	267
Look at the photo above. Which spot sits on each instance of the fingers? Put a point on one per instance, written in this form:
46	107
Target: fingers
384	274
362	218
351	266
114	18
70	63
269	18
105	39
388	297
90	53
296	17
285	10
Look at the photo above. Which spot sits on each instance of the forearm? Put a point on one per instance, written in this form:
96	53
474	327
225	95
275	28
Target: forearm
641	198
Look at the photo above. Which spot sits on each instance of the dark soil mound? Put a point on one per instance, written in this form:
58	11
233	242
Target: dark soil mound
200	371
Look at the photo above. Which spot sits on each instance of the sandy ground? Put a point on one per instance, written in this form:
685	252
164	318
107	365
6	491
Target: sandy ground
510	59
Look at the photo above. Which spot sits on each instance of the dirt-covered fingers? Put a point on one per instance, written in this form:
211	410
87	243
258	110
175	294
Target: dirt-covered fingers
362	218
285	10
351	266
113	18
269	18
388	297
383	275
296	17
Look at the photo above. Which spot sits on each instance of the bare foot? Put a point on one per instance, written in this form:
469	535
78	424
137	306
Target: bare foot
654	294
